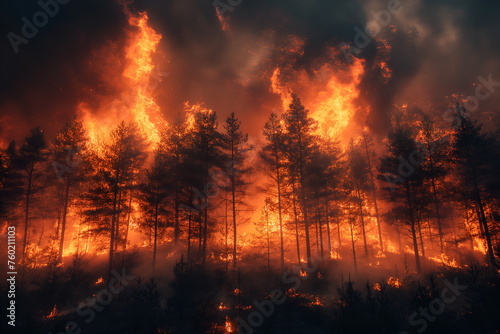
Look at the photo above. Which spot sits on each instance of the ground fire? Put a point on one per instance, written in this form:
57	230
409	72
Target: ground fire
207	173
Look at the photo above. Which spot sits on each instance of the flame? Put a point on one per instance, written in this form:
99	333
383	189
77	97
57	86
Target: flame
136	102
222	20
223	307
445	260
99	281
377	287
229	326
394	282
330	95
54	313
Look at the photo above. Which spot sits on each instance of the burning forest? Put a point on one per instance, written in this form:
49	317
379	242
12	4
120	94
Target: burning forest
250	167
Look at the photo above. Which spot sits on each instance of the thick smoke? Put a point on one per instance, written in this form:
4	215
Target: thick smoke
437	48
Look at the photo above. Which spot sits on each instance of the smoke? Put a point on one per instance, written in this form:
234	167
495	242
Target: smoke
436	48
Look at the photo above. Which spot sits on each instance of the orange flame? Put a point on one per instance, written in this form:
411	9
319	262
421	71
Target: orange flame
330	95
136	102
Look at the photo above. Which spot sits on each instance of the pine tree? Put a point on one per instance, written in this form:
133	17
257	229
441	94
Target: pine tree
237	149
402	172
203	155
11	181
358	185
300	144
154	193
33	155
69	161
473	154
273	156
116	168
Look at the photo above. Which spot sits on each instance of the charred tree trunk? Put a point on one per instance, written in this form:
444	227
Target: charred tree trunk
63	218
27	212
362	220
374	193
413	227
155	236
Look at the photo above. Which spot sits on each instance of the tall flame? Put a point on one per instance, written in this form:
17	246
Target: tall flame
136	102
330	95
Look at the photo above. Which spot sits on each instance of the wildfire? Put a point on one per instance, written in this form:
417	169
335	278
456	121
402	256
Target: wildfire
394	282
54	313
330	95
136	102
229	326
223	21
445	260
99	281
223	307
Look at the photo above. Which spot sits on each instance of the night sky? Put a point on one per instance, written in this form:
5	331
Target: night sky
437	48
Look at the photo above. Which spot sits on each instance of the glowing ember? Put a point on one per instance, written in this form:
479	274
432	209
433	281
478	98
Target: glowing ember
99	281
223	307
394	282
229	326
54	313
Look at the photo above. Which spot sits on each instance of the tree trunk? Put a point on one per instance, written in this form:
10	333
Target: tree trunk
280	217
327	217
26	212
63	220
362	220
374	194
412	226
295	213
155	237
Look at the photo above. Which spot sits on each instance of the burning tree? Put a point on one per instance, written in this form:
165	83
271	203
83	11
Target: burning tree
116	167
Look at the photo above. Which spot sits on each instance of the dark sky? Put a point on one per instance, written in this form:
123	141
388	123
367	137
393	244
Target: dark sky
438	48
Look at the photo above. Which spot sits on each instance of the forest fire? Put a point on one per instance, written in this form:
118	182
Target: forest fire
331	96
136	102
280	178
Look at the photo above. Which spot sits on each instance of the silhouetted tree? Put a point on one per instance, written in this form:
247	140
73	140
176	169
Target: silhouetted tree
33	154
237	149
473	154
70	162
300	145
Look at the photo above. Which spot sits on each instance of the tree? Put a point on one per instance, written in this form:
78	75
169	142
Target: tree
473	154
154	193
237	148
273	156
204	145
300	145
69	160
366	142
358	184
404	179
435	167
33	154
117	166
11	181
